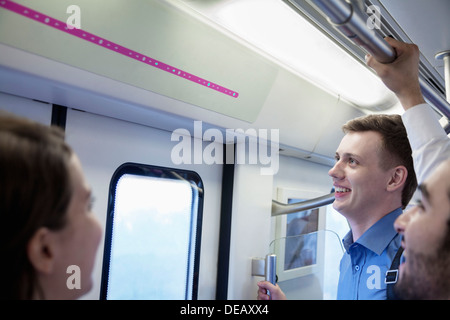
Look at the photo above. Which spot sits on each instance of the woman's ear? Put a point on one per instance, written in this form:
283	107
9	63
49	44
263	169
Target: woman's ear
40	251
398	178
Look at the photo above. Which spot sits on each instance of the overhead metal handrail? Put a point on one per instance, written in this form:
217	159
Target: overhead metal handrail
350	20
434	98
279	208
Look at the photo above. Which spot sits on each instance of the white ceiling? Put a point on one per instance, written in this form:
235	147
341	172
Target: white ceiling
309	118
426	23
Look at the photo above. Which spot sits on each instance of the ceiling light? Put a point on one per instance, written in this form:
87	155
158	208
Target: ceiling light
273	27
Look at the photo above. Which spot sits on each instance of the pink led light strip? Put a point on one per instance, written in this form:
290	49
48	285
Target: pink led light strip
80	33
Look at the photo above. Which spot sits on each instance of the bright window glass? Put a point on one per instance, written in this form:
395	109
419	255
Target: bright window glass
337	225
152	250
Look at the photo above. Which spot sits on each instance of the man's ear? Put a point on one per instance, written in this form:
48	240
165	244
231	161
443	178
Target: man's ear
40	250
397	178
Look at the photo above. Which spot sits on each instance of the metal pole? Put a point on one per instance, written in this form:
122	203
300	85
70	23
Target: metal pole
279	208
271	268
435	98
352	22
445	55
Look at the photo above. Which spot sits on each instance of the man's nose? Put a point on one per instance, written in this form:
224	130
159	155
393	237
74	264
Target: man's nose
336	172
401	223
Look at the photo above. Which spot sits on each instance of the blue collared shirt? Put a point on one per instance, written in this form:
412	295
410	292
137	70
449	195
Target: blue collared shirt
365	262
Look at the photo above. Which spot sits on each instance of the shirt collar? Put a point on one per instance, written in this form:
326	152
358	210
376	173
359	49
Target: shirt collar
378	236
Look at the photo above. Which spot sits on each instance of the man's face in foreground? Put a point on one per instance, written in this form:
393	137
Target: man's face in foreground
425	271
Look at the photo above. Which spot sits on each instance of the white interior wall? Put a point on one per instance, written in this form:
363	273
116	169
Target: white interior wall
34	110
250	229
103	144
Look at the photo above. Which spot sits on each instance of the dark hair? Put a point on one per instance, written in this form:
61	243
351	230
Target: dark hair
35	191
395	146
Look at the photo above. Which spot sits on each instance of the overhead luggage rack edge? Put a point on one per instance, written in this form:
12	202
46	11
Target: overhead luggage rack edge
356	31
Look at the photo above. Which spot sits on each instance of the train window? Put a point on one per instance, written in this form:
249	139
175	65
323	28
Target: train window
297	244
301	238
308	245
153	233
337	227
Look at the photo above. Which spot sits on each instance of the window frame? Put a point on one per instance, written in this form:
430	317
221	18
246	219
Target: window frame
285	195
146	170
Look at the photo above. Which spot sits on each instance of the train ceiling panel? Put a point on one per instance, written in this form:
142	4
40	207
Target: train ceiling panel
425	23
51	64
147	44
295	43
416	21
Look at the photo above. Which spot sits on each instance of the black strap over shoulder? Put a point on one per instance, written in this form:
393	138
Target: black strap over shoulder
392	275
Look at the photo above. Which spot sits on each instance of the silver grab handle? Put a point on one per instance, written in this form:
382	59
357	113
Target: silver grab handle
351	21
265	267
279	208
271	268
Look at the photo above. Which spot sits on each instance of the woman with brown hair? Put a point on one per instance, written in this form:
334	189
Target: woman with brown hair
48	231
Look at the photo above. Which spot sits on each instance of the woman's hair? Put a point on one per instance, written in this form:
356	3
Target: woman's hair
396	149
35	191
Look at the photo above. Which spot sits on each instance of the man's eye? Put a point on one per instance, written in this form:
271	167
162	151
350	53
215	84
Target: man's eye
420	205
